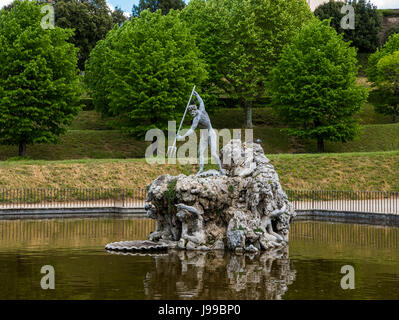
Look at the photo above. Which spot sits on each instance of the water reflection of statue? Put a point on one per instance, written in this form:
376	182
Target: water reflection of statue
219	275
202	121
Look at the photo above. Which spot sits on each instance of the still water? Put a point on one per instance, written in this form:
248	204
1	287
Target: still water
309	269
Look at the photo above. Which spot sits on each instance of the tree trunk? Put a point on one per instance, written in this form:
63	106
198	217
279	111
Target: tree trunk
320	144
395	112
22	149
248	113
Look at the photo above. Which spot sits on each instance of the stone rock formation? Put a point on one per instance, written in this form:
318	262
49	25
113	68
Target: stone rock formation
244	210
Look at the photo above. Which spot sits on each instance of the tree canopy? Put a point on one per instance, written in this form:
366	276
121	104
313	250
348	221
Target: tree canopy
314	86
389	47
118	17
241	40
383	72
91	19
39	86
367	22
331	10
153	5
144	71
390	32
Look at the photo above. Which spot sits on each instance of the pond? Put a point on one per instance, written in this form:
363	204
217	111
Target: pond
309	269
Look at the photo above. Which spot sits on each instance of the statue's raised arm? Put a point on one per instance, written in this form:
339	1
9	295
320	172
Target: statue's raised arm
201	103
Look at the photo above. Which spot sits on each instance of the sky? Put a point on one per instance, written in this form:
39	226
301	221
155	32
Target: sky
126	5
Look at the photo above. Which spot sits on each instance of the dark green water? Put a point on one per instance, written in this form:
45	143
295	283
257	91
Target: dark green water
84	270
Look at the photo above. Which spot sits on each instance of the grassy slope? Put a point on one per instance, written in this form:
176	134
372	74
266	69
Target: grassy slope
91	136
80	144
96	141
367	171
348	171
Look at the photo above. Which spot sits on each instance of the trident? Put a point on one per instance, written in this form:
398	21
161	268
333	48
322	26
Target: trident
172	149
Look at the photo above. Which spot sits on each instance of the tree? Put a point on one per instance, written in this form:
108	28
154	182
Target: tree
390	32
388	84
118	16
144	71
241	41
383	72
91	20
8	7
314	86
153	5
331	10
389	47
39	86
367	23
96	76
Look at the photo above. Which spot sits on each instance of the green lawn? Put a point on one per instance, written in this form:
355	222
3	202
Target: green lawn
112	144
340	171
92	136
90	120
77	144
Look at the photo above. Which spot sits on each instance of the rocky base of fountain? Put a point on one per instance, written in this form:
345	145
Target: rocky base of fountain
245	210
136	246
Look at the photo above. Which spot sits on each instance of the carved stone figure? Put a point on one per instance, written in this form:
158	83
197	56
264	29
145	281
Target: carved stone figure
192	224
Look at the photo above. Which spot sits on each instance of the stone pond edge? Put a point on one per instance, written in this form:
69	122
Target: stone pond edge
382	219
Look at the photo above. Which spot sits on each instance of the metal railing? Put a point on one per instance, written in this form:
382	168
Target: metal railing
71	198
345	201
351	201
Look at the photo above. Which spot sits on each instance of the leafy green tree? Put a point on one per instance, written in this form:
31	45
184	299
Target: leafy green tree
241	41
96	76
118	17
384	74
144	71
91	19
389	48
367	23
39	86
314	86
8	7
153	5
388	83
390	32
331	10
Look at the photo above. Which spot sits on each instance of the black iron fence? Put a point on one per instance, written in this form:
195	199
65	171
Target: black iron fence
72	198
354	201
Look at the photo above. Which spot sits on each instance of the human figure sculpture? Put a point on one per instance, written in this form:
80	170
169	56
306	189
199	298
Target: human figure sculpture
161	232
267	226
192	224
202	121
